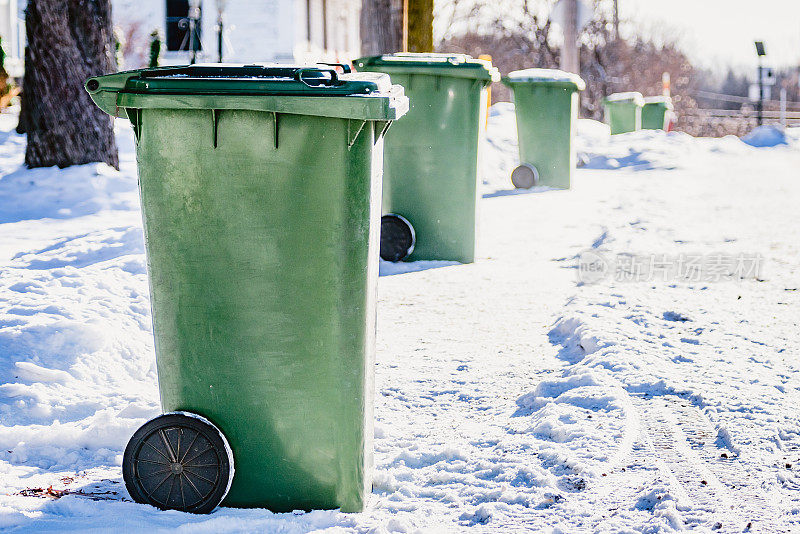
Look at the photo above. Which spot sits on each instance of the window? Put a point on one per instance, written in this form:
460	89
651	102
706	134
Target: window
178	37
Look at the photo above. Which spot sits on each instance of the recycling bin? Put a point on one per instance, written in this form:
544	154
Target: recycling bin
260	189
623	112
431	157
656	112
546	107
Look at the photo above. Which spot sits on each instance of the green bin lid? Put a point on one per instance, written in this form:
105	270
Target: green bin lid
265	86
453	65
631	97
552	77
659	101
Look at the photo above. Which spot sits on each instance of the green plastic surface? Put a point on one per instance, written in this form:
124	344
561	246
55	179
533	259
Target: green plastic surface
549	77
654	113
431	156
546	107
283	89
450	65
262	247
623	112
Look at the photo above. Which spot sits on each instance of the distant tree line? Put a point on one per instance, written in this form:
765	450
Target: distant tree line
517	34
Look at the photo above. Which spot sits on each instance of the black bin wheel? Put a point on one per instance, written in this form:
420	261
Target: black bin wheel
525	176
178	461
397	237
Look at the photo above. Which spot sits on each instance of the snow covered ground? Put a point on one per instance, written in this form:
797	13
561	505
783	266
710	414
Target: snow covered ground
622	357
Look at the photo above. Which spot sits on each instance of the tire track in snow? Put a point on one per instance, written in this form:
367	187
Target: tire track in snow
624	486
755	505
719	493
662	466
705	500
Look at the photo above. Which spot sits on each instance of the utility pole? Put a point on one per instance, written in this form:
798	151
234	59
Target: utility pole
570	61
760	92
761	53
219	40
418	25
616	19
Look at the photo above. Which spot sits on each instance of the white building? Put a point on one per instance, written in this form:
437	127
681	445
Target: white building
12	31
284	31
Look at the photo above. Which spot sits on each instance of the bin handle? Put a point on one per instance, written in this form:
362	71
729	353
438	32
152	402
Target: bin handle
333	80
346	69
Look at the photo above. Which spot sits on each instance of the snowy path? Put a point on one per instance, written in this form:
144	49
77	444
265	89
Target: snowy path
509	397
710	365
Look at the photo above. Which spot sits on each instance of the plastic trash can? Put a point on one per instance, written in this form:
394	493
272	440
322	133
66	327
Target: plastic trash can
546	107
260	190
656	112
623	112
431	157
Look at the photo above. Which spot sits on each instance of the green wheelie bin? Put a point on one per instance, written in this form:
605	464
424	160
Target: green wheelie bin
546	107
656	112
431	157
623	112
260	189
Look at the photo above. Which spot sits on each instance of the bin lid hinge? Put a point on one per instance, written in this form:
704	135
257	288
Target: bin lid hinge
353	131
381	127
215	119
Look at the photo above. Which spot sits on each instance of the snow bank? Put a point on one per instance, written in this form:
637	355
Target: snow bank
596	148
500	153
388	268
76	357
75	191
793	135
766	136
509	396
78	377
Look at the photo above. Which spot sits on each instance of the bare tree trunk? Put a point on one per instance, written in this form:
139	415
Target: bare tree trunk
420	26
570	52
381	26
68	42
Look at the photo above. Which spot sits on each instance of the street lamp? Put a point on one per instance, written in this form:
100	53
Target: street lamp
221	4
761	53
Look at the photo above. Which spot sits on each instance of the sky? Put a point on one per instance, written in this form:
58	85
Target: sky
721	32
